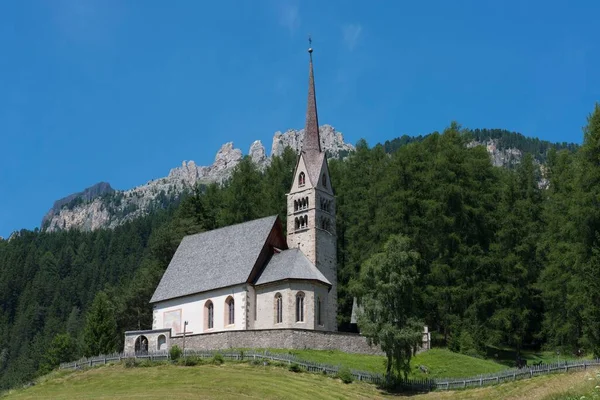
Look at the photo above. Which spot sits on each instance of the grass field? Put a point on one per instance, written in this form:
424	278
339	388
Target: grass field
233	381
441	363
507	356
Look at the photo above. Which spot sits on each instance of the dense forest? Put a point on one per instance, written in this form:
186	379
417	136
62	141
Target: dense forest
539	149
501	261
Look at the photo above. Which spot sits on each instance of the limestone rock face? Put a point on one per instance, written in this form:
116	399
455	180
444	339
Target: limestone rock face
103	207
258	154
331	141
500	157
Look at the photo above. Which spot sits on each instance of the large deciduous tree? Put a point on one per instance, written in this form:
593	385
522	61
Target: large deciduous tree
389	317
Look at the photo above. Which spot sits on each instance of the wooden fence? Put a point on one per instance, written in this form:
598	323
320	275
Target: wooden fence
417	385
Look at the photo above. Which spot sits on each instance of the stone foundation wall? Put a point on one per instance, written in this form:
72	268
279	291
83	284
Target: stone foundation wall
278	339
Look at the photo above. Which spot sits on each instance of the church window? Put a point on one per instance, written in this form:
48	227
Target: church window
230	317
209	312
300	307
324	180
301	179
306	221
296	205
297	223
278	308
319	311
161	344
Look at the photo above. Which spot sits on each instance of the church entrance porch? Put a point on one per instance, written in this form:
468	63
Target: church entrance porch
143	342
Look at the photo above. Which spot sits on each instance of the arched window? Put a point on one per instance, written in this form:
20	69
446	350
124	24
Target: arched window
297	223
324	180
296	205
278	308
319	311
307	202
209	315
300	307
303	203
161	343
306	221
301	179
141	345
230	311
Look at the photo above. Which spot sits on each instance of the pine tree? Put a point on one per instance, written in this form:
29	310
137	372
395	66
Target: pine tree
100	332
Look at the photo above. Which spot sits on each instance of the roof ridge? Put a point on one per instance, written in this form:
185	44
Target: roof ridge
233	225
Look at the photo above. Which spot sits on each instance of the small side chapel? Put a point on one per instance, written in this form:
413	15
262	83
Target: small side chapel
251	276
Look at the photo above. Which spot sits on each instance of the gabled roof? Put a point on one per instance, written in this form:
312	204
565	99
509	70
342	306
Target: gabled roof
214	259
314	164
290	264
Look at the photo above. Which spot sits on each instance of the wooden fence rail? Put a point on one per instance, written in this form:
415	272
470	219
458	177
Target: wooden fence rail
420	385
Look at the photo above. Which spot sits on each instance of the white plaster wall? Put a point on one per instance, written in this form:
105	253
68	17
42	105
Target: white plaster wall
192	310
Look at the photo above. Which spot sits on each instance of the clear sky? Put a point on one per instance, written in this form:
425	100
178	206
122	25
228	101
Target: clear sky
123	91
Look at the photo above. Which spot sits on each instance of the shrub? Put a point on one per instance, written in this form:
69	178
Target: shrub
191	361
217	359
175	352
148	363
131	363
345	375
295	368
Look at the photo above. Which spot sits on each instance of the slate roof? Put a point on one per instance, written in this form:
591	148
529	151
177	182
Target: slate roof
313	162
214	259
290	264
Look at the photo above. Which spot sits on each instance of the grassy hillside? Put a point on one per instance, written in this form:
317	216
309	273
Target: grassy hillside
232	381
229	381
441	363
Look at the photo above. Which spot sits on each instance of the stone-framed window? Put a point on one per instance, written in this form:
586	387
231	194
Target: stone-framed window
300	307
301	222
161	343
209	315
229	311
278	308
319	311
301	204
301	179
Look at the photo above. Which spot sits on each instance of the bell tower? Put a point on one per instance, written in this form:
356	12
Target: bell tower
311	204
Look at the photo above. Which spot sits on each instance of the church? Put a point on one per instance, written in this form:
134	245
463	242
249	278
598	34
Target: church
254	276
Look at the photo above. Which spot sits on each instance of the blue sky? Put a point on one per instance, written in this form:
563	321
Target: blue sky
123	91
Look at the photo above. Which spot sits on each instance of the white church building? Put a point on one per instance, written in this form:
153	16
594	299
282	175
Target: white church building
254	277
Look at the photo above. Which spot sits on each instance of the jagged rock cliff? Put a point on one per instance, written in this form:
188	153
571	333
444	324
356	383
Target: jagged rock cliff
72	200
103	207
507	157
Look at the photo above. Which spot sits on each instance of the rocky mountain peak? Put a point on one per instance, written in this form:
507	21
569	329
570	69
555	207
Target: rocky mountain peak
331	141
93	211
258	154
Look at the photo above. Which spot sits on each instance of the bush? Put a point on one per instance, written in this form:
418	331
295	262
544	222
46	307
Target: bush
295	368
191	361
148	363
260	361
217	359
345	375
175	352
131	363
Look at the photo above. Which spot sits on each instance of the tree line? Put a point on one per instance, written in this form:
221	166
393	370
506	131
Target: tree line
491	258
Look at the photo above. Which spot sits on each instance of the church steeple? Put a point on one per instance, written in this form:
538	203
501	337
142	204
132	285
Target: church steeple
312	142
311	209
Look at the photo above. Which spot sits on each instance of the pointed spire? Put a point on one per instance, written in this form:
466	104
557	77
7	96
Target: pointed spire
312	141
